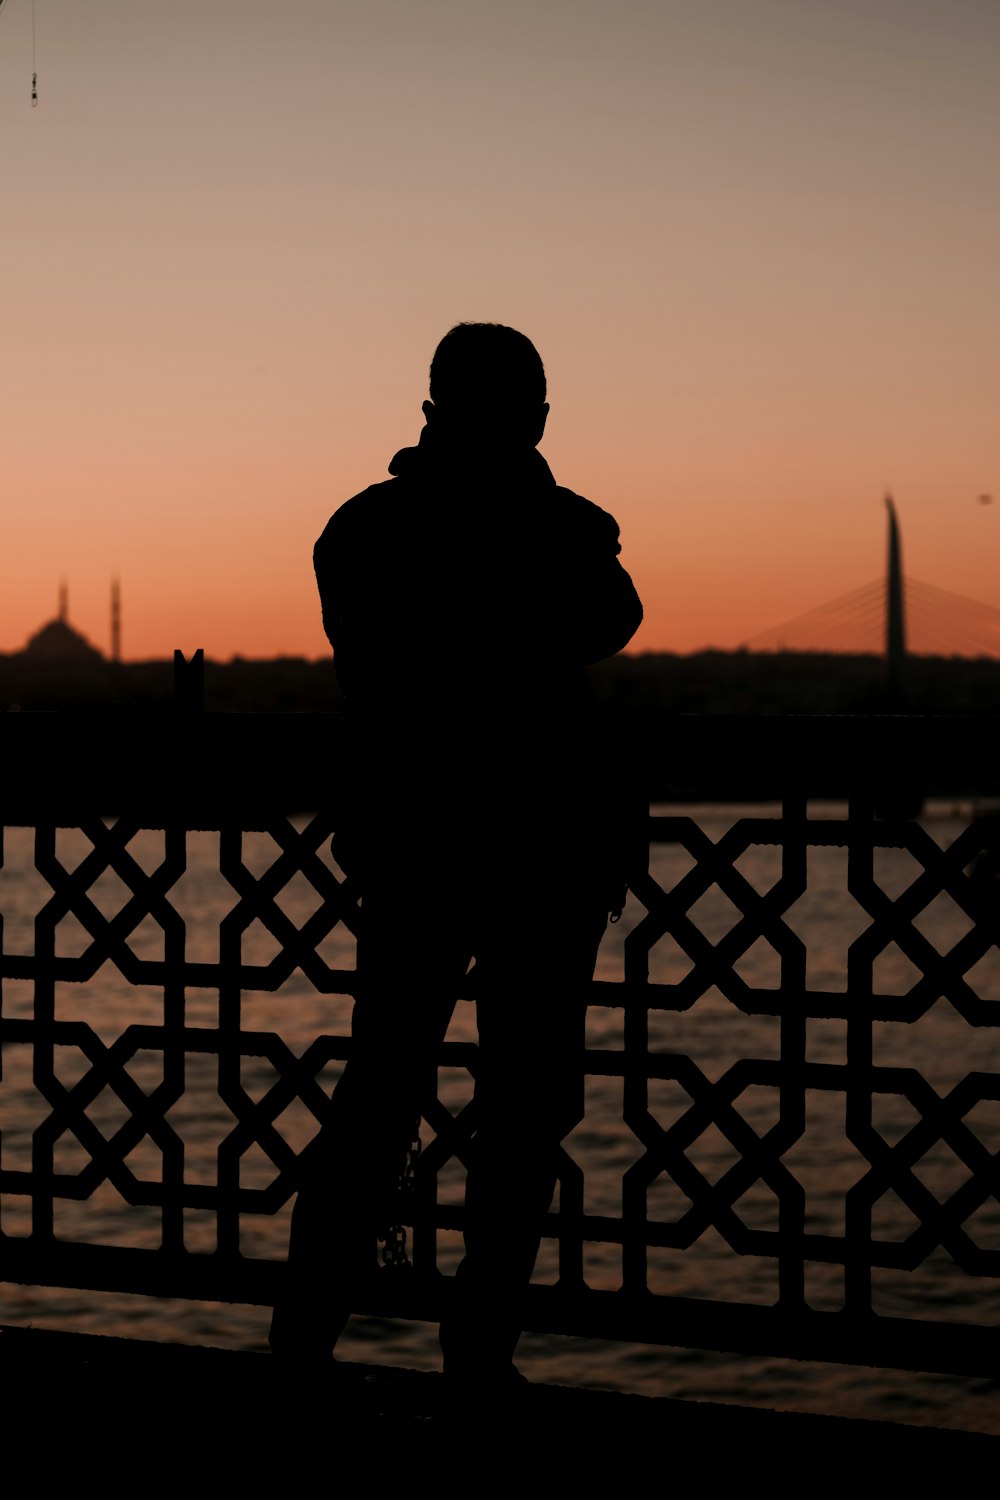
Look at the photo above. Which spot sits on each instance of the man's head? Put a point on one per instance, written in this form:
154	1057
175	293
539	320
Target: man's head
487	385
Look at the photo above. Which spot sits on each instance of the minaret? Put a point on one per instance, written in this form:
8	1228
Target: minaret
895	623
64	603
116	621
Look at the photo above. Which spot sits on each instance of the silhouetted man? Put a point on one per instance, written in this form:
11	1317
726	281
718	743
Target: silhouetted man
463	599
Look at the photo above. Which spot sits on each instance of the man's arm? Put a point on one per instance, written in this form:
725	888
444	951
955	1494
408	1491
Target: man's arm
603	610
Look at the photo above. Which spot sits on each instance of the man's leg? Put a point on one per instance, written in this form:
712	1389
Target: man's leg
410	982
529	1095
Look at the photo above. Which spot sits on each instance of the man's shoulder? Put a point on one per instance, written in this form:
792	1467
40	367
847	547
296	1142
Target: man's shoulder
361	510
598	524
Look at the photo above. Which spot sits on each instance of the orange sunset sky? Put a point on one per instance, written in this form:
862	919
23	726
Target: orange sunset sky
755	241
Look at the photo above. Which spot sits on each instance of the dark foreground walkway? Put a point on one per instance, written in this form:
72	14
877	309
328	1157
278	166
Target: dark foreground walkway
127	1412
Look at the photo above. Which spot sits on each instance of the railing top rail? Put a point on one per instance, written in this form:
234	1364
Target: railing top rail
206	768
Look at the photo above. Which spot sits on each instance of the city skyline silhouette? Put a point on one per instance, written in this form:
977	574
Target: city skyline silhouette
933	621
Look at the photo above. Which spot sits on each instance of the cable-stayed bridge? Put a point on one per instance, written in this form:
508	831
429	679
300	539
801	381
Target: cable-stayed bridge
927	621
938	623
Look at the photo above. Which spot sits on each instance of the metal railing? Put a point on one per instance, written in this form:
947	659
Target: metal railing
703	1148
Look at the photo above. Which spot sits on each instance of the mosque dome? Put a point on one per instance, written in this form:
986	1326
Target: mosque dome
59	642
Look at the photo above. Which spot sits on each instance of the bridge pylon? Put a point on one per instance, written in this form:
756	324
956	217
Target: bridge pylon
895	614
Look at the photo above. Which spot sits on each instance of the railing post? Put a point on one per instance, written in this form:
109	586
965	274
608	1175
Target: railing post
189	682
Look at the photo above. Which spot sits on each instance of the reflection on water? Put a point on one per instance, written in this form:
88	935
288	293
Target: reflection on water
713	1032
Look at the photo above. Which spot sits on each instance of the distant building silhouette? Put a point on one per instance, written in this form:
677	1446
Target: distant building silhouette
58	642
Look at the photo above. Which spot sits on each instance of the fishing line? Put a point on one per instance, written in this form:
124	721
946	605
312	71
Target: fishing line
34	50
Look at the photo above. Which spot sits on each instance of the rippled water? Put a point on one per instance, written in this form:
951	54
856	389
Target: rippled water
714	1033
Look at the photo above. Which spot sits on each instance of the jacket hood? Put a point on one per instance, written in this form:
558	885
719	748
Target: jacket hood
433	459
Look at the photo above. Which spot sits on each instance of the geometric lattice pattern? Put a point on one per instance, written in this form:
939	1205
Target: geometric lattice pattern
176	1007
890	1116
